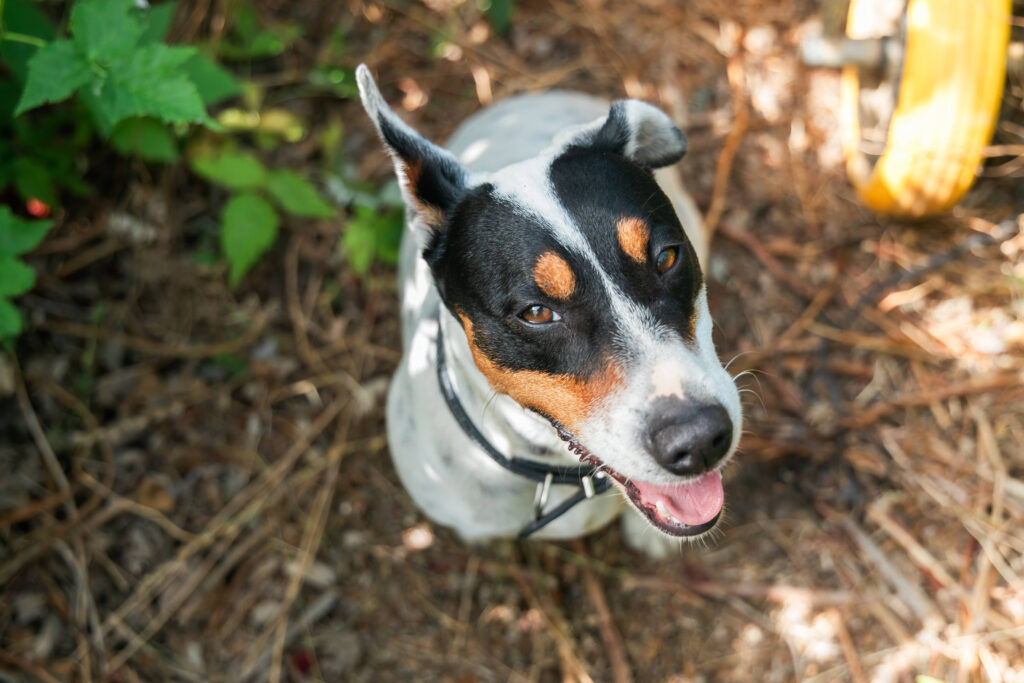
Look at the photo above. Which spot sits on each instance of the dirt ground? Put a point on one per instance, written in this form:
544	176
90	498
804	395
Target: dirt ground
196	483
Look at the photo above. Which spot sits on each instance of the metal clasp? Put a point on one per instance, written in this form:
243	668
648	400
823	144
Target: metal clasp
540	499
588	487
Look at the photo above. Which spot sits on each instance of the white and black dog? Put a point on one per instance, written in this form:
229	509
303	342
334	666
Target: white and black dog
550	293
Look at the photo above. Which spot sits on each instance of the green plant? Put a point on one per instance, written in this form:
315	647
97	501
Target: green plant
371	234
17	237
376	219
118	66
113	74
499	14
109	78
249	222
246	39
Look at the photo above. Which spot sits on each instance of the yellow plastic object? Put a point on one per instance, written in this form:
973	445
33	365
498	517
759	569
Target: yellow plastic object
946	108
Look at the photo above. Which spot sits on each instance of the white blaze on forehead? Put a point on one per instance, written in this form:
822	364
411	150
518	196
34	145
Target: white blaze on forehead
665	380
528	188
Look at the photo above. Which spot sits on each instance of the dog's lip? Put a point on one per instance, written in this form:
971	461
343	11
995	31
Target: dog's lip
632	493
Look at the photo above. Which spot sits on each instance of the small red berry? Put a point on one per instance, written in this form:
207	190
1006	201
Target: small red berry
37	208
302	660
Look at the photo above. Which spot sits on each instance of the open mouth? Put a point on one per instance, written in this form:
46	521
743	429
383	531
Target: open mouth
688	508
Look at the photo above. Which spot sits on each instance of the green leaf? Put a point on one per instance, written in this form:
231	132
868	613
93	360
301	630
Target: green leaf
24	17
16	278
10	93
249	41
33	180
213	82
370	235
18	236
499	13
145	138
297	196
235	170
10	320
156	22
248	228
341	82
105	29
389	236
234	365
359	240
54	73
149	82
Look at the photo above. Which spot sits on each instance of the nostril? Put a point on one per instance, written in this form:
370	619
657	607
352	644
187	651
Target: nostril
721	442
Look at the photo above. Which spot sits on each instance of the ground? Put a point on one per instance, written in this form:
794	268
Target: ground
196	481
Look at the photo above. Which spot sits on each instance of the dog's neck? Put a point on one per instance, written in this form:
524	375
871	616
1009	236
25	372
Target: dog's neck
513	430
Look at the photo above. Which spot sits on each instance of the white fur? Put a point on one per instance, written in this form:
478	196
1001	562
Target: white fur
448	476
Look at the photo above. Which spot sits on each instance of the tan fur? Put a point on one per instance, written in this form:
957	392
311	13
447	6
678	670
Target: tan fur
410	175
569	400
633	236
554	276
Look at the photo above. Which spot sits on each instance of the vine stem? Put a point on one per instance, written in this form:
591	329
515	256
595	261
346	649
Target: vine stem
17	37
21	38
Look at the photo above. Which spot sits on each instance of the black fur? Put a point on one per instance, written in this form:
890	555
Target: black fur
440	180
485	272
483	266
599	188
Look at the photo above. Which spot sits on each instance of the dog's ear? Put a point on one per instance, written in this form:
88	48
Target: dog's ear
432	179
638	131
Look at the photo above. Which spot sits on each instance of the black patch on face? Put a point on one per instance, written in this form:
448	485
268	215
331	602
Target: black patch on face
483	268
599	188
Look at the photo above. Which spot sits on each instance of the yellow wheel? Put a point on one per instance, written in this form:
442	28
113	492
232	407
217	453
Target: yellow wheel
914	136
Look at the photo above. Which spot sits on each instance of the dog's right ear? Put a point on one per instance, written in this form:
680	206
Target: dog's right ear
432	179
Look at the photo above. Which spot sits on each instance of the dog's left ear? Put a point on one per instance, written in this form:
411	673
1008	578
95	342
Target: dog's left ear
638	131
432	179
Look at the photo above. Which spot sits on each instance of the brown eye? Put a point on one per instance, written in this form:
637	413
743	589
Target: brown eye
666	259
539	315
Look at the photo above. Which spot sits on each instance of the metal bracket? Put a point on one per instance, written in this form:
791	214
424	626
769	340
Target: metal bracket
540	498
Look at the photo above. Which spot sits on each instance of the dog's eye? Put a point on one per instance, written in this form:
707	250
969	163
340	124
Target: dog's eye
539	315
666	259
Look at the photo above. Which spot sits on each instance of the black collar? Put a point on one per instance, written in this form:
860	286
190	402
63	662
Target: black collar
587	478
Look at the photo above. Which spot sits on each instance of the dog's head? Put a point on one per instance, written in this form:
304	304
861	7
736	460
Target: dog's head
583	300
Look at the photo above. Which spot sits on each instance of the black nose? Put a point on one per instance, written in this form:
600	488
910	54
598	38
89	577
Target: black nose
688	439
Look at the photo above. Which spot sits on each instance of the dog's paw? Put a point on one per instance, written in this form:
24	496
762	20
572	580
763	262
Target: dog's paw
641	537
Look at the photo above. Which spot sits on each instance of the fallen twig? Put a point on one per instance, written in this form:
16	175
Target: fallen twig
621	672
741	120
142	345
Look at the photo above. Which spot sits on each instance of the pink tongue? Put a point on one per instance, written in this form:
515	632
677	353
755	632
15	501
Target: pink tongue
693	503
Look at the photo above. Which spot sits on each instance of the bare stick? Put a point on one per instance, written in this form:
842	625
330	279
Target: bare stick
621	672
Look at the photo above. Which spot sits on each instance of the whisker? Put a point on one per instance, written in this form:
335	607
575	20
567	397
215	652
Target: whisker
754	393
738	355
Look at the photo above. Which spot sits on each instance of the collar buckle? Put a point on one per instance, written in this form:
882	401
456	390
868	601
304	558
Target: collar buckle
581	476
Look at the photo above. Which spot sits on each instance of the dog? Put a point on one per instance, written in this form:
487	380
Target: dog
551	292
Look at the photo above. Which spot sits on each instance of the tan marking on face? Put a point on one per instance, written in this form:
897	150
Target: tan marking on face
410	176
554	276
633	236
569	400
